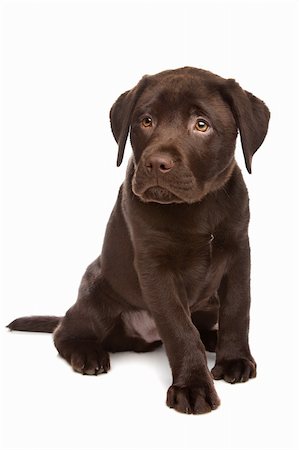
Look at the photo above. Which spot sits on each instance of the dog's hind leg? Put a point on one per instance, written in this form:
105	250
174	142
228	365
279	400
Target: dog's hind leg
80	335
207	323
209	339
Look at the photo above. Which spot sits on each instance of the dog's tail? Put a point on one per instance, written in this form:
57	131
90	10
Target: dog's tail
43	324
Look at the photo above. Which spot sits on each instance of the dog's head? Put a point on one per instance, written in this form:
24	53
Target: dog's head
184	125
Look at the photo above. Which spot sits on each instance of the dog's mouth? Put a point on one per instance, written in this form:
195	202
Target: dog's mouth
179	186
159	194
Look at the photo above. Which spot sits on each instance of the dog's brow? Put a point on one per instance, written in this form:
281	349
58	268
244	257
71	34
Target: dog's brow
200	108
143	109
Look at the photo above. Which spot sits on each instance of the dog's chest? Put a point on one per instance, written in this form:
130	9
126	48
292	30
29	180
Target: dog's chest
193	270
192	258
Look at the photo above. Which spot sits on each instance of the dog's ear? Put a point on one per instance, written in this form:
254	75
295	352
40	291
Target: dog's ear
251	116
120	116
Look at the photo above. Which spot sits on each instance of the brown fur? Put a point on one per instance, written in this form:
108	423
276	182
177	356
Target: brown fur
175	263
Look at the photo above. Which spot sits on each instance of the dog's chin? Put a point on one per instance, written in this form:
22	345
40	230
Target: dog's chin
159	194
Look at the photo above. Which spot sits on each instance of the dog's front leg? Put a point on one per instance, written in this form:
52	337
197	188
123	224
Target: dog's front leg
234	362
192	390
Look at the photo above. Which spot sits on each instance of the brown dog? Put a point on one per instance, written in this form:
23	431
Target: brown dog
175	264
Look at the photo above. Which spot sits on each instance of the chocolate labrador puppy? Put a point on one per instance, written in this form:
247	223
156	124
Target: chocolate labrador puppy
175	263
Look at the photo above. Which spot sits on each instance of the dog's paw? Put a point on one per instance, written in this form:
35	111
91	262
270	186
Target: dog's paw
91	361
86	357
234	370
198	399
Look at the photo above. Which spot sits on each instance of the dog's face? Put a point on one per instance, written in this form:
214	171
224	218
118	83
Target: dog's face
183	137
184	125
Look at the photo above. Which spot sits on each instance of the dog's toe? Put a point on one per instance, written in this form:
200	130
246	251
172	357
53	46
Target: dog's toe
235	370
91	362
85	356
192	399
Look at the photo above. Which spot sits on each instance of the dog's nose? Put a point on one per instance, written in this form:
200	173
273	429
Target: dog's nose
159	163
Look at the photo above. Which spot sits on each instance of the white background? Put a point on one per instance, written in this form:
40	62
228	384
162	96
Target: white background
63	65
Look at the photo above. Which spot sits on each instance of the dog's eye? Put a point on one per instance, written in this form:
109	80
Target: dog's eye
201	125
147	122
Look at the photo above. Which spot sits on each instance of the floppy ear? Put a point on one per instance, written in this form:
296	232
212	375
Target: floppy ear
120	116
251	116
